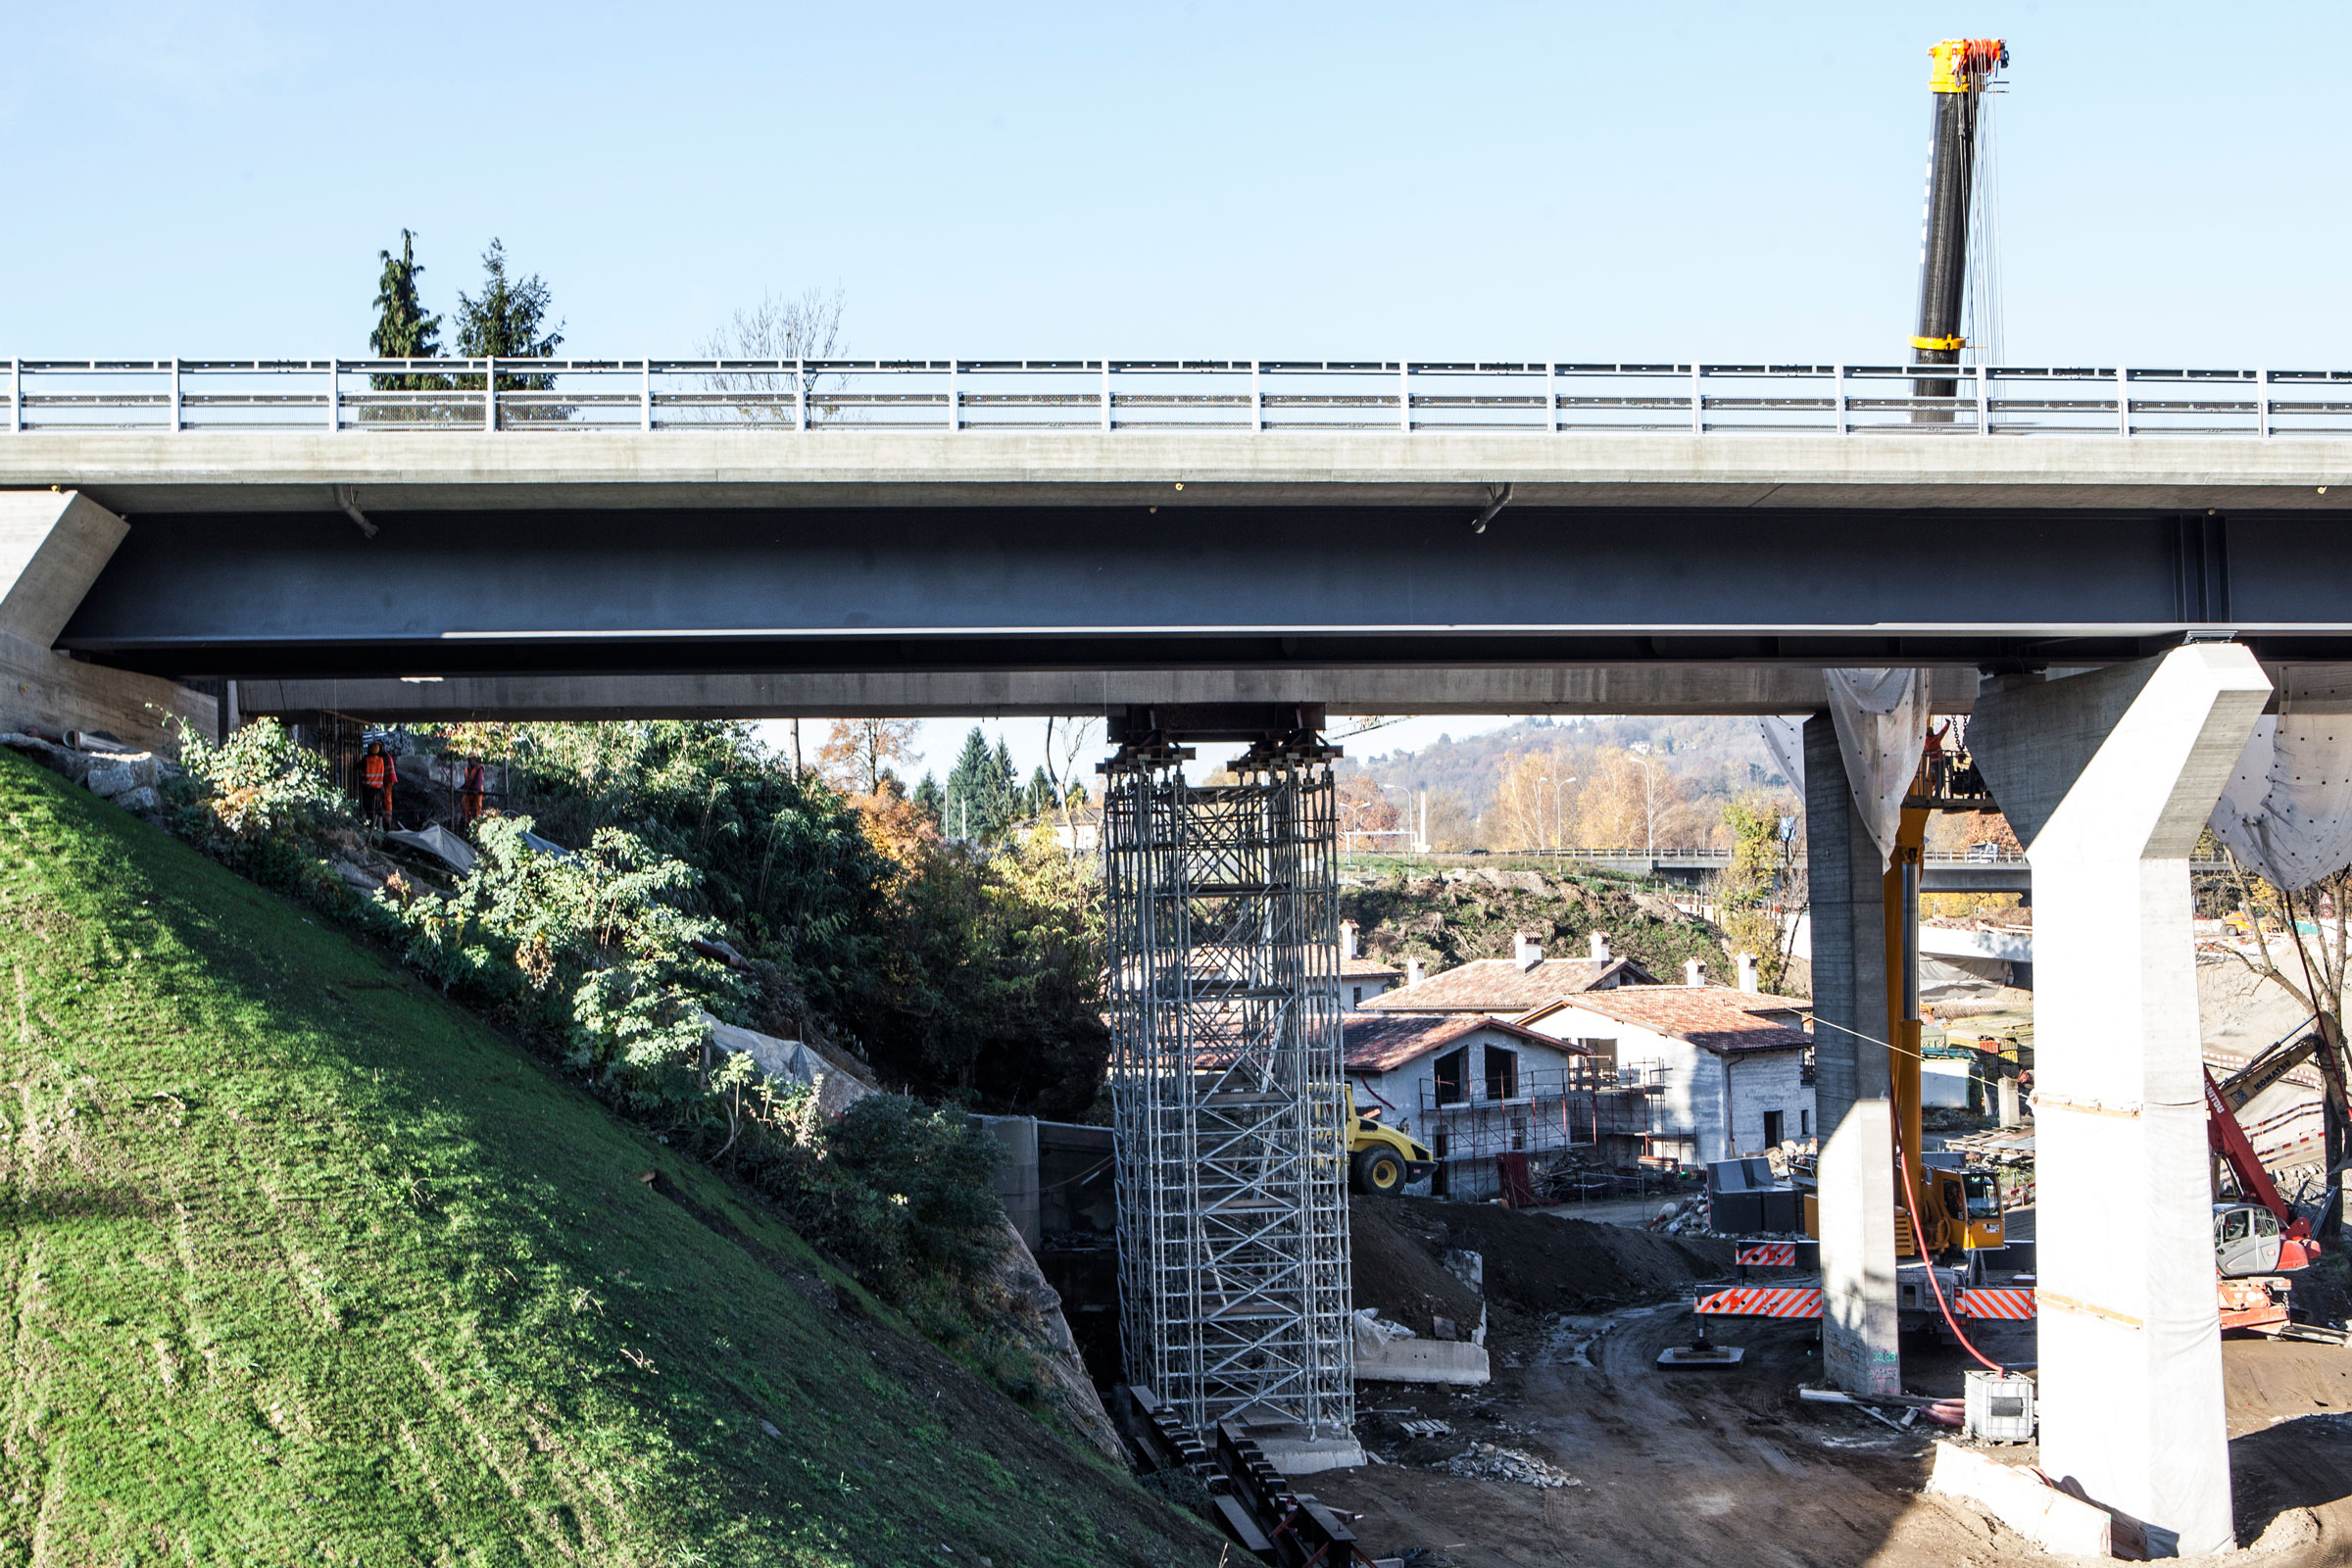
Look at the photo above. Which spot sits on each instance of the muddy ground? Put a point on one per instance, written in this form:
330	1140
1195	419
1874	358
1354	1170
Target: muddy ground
1728	1467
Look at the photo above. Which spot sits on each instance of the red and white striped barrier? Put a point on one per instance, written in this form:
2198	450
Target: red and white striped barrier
1762	1301
2009	1303
1766	1254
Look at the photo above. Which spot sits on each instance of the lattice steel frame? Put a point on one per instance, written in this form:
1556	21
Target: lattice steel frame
1223	910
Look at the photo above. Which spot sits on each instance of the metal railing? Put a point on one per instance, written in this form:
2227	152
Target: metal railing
435	396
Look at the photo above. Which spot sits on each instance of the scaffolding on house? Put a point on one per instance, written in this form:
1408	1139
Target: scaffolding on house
1619	1121
1223	910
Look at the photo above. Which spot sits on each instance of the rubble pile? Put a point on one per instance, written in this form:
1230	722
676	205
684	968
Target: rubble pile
103	765
1484	1461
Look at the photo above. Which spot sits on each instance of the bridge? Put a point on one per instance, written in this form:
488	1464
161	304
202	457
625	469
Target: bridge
2115	570
583	538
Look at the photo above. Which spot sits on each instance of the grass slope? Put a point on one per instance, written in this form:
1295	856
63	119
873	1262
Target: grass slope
301	1265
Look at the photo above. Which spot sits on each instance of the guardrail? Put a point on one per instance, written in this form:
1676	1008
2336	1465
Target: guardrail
549	396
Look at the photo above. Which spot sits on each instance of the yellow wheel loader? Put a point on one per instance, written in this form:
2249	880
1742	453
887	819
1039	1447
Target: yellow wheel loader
1381	1161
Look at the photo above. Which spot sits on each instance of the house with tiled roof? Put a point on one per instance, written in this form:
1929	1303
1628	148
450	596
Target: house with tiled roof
1362	978
1508	988
1732	1066
1468	1086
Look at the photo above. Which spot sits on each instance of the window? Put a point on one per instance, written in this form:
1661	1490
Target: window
1454	1076
1772	1129
1805	1123
1519	1129
1502	1073
2235	1225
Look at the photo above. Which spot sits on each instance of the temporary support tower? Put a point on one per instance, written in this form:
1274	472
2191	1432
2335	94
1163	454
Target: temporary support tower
1226	1086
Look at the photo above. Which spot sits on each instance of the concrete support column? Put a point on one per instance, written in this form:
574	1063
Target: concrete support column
53	545
2108	778
1846	877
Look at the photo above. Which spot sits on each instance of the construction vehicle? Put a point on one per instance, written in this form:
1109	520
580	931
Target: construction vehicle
1381	1161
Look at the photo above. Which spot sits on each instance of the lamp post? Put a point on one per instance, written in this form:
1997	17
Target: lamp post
1650	802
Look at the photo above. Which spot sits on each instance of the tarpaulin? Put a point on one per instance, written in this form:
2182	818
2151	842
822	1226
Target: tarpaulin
1882	720
2286	812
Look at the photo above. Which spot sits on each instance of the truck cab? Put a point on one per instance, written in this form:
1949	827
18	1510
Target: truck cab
2247	1242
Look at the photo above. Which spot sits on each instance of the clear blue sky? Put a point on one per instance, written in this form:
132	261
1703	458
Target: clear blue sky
1719	181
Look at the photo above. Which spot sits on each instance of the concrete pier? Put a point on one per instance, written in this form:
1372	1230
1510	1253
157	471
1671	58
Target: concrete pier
1851	1083
2108	778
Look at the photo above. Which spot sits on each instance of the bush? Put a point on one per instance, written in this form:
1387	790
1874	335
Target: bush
263	806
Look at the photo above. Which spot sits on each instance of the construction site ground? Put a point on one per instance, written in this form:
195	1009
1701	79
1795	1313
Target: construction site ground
1726	1466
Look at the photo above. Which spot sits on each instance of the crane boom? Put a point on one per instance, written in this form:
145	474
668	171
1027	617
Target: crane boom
1963	68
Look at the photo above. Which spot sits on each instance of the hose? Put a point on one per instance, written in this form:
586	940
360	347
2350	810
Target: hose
1919	1238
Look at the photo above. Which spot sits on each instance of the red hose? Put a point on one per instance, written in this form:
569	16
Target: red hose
1919	1239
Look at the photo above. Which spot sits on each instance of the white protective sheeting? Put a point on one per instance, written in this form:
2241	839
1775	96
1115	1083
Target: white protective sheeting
2286	812
791	1061
1882	720
1784	738
441	844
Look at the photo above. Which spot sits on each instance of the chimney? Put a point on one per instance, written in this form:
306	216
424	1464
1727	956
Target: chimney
1413	972
1526	949
1749	980
1694	973
1601	947
1347	940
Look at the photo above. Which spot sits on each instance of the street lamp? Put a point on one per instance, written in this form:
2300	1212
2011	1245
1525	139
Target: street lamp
1650	802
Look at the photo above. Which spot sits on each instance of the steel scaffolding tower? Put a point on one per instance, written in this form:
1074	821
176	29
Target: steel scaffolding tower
1223	911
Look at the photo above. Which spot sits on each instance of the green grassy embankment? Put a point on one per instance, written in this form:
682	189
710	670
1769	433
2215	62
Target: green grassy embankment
302	1264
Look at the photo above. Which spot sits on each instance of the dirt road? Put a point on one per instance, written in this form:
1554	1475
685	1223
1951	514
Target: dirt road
1728	1468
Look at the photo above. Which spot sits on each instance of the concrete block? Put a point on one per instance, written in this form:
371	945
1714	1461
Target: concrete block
2024	1502
1299	1455
1458	1362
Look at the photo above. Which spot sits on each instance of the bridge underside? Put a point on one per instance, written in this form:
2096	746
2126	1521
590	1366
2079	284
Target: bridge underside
1124	598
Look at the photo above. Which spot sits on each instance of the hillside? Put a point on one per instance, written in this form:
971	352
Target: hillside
1542	781
1448	922
307	1265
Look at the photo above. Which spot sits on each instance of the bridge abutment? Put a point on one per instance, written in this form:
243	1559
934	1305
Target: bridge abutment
53	545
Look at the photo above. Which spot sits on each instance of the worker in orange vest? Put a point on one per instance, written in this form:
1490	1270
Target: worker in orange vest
377	778
471	793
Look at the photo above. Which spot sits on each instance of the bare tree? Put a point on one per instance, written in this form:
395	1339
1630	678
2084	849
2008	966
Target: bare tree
2316	983
1061	767
804	328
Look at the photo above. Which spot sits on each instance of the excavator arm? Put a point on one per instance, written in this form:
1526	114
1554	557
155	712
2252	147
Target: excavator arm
2230	1143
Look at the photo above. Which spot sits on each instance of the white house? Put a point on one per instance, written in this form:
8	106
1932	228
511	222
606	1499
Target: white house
1730	1067
1513	987
1362	978
1471	1087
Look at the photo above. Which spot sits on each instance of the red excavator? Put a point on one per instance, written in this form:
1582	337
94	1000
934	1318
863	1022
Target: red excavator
2259	1237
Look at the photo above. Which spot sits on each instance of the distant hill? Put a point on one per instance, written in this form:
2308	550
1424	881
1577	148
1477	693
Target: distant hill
1711	760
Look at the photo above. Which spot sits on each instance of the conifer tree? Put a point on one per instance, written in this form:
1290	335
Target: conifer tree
403	329
507	320
972	791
